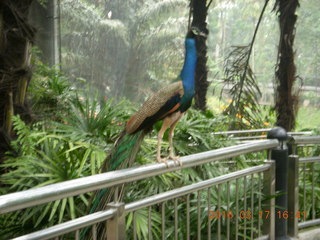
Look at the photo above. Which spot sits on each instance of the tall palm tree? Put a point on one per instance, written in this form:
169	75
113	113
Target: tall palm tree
286	99
16	37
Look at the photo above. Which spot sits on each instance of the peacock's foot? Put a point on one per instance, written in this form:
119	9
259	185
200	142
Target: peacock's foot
175	159
163	160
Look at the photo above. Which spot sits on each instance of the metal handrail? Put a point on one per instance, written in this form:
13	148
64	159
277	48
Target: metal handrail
305	140
297	141
310	223
33	197
146	202
242	131
309	159
253	134
262	130
69	226
91	219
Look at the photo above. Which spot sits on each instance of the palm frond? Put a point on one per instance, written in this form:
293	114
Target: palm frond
160	10
243	88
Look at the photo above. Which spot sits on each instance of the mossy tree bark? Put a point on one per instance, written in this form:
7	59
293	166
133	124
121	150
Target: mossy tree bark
286	100
16	38
200	11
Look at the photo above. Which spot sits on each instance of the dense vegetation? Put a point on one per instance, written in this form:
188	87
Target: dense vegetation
71	133
73	125
69	137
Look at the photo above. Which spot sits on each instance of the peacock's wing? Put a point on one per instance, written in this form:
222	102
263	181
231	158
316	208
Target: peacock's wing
162	103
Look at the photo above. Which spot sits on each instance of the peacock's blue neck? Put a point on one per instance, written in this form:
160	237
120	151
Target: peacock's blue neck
188	71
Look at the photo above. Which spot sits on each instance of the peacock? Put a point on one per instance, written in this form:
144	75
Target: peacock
168	104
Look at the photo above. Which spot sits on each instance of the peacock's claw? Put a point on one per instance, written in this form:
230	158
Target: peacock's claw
176	159
163	160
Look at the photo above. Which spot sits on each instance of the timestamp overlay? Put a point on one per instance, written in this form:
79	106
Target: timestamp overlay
255	215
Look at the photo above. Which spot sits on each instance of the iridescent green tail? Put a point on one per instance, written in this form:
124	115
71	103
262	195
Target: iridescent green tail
121	156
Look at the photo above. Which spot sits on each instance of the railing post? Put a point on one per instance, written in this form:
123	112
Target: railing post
293	195
269	190
116	228
280	155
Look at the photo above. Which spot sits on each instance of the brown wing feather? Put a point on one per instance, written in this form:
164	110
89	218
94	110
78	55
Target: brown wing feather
153	104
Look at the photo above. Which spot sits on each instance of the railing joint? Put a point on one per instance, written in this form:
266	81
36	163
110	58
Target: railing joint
116	225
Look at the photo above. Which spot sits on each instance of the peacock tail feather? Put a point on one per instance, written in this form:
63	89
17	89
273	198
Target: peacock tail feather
121	156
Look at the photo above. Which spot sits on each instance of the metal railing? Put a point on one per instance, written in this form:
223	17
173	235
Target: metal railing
199	203
33	197
255	134
304	168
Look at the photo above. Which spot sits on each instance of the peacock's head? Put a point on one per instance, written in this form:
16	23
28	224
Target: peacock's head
195	32
192	35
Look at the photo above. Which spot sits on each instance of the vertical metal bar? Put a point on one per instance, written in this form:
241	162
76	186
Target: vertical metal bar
116	194
237	208
304	188
77	235
313	197
269	155
94	232
251	207
219	209
245	206
294	149
293	195
176	219
228	209
134	225
149	224
209	206
269	183
188	216
259	205
163	221
199	217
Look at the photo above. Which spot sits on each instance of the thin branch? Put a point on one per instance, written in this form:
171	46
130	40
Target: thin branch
250	51
209	4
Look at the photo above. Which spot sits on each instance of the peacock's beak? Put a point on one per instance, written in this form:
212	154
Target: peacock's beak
196	31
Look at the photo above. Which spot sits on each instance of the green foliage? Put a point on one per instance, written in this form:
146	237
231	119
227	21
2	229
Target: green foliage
45	158
198	127
244	90
193	134
141	217
70	138
126	54
308	118
92	120
70	141
50	91
309	177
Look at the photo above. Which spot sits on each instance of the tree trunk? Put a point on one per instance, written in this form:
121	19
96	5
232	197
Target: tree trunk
200	11
46	20
285	99
16	37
